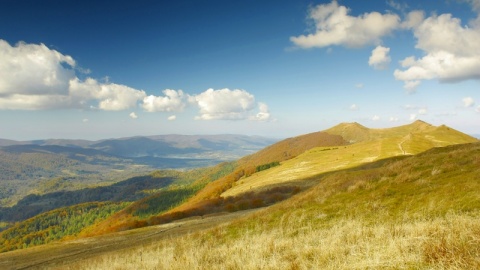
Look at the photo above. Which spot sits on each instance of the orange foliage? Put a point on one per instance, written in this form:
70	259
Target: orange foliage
281	151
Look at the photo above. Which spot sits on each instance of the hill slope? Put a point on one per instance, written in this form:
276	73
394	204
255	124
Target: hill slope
413	212
370	145
282	169
367	145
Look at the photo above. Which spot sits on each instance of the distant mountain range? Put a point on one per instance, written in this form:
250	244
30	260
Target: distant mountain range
218	147
48	165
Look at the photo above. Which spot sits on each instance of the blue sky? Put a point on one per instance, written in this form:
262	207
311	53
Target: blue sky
103	69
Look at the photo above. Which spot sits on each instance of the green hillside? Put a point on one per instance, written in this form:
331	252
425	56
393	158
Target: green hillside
366	145
297	161
416	212
35	215
267	177
207	200
55	225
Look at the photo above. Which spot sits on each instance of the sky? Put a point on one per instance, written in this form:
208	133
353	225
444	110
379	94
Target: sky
109	69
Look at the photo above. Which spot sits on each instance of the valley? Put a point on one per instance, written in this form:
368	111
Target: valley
46	166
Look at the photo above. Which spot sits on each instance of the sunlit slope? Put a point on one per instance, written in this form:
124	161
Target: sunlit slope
283	150
371	145
415	212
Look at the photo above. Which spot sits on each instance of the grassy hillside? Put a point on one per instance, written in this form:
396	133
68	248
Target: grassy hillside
267	177
414	212
138	213
281	151
205	198
254	182
371	145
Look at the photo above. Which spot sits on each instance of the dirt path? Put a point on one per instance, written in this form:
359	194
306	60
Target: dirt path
62	253
400	144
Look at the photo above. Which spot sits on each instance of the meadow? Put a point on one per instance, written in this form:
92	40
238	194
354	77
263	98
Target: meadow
420	212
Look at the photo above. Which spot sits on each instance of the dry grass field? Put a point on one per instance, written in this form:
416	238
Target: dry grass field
420	212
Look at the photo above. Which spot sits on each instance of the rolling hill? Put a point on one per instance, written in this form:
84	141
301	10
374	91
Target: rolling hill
280	171
407	212
366	145
300	159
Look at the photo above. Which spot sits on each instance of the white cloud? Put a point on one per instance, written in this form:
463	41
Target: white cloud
354	107
397	6
335	27
85	120
359	85
376	118
133	115
413	117
422	111
475	4
380	58
172	101
35	77
468	102
413	19
172	117
410	107
109	96
451	52
478	109
411	86
393	119
31	69
33	102
263	114
115	97
224	104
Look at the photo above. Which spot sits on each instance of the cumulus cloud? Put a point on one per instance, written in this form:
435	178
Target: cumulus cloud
478	109
450	52
333	26
224	104
263	114
172	101
376	118
413	117
85	120
468	102
380	58
31	69
413	19
422	111
359	85
133	115
172	117
35	77
109	96
354	107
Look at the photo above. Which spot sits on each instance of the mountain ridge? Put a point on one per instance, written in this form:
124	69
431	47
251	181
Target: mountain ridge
285	168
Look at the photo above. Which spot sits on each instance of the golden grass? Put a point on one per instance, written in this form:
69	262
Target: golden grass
421	212
450	242
371	145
